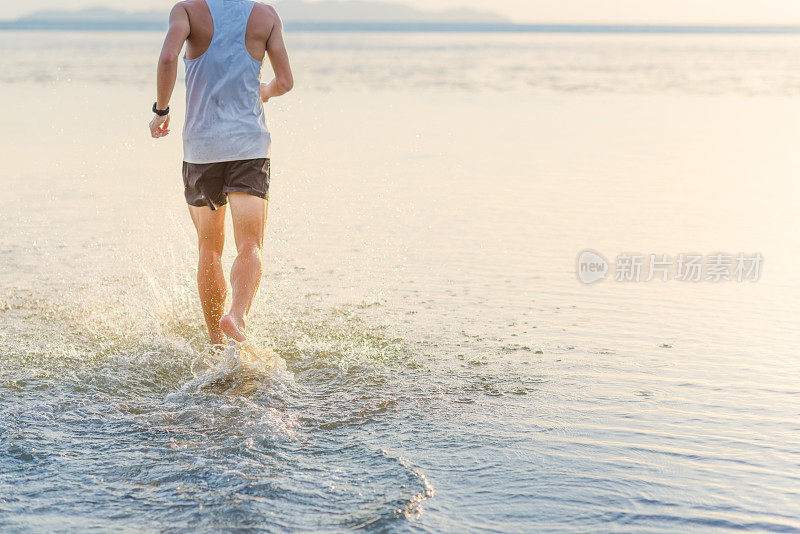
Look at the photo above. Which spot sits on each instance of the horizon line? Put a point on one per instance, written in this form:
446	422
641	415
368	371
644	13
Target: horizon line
410	26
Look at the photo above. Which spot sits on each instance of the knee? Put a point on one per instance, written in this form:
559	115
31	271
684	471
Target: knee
210	255
250	248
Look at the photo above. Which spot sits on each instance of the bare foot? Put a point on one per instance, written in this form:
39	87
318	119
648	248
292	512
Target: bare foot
233	327
218	339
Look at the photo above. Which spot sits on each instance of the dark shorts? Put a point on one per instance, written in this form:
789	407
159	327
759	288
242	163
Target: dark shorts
208	184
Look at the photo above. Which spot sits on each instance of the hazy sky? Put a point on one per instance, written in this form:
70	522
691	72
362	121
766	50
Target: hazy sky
598	11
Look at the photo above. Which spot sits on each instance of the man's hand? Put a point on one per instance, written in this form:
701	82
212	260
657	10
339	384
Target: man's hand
265	93
159	126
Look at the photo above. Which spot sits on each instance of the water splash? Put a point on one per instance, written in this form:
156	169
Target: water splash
237	369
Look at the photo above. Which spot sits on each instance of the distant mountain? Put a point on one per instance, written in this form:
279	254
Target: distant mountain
92	15
364	11
328	11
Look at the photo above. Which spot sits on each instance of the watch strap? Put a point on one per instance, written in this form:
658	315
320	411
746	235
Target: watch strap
160	112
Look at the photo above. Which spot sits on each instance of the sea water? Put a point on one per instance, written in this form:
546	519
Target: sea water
446	370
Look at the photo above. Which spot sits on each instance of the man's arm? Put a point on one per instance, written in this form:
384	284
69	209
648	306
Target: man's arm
168	66
279	58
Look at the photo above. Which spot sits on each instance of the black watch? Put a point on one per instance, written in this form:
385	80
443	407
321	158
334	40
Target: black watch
160	112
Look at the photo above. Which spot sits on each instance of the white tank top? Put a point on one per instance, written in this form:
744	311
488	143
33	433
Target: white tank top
225	118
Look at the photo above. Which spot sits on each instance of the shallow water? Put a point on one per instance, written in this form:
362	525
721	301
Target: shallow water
446	369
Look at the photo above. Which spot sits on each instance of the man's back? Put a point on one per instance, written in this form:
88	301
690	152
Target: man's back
225	119
259	27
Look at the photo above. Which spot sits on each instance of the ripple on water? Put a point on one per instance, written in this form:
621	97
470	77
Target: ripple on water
116	418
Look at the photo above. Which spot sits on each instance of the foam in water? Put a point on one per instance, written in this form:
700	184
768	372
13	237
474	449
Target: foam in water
236	368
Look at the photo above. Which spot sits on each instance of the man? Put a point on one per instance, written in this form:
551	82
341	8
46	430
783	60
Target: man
226	142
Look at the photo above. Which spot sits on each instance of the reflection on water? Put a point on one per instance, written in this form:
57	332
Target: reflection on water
445	370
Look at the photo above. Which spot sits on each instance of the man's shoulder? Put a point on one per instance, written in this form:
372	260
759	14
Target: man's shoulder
184	5
190	5
266	12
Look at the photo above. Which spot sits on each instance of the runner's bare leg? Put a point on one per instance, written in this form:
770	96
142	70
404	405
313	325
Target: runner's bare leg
211	282
249	220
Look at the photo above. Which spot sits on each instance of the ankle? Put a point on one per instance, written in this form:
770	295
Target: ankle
237	316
